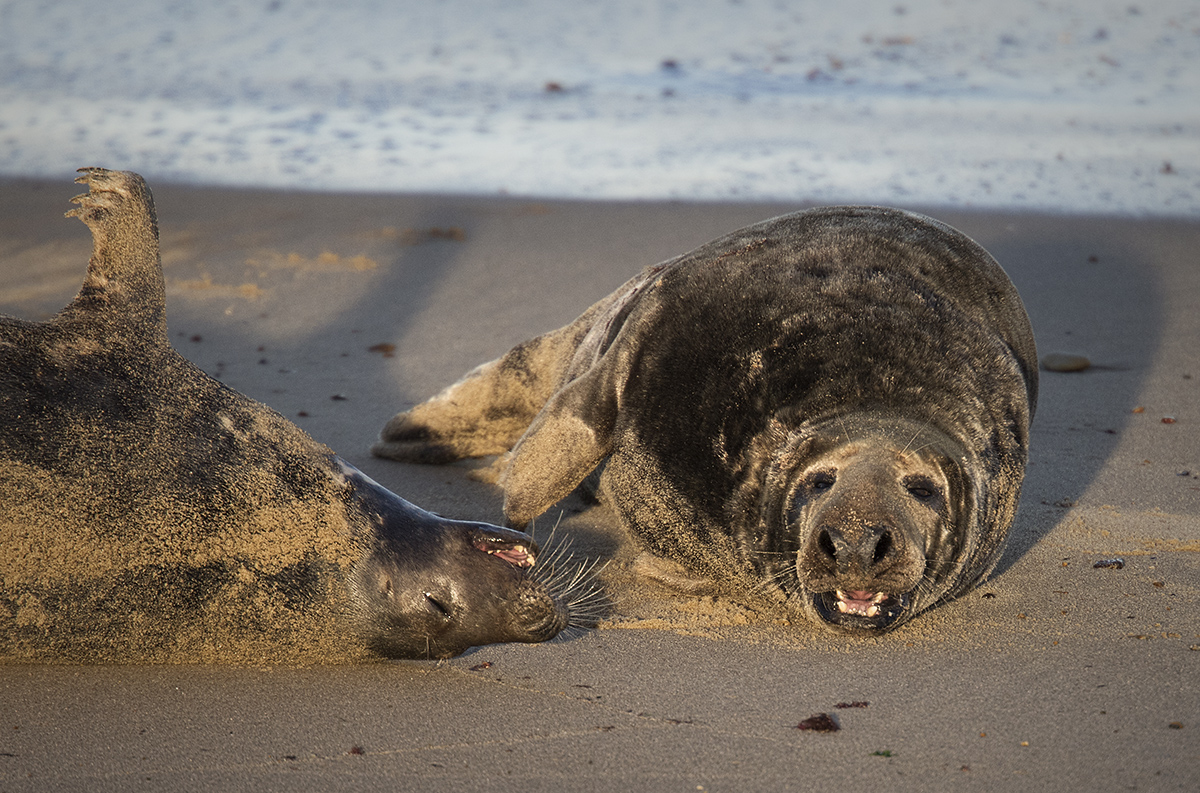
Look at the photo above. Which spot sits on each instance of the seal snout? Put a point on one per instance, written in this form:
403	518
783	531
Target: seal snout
860	552
856	563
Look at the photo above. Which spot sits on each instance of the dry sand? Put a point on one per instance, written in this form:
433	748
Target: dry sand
338	310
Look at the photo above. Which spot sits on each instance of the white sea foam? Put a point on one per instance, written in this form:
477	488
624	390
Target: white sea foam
1081	106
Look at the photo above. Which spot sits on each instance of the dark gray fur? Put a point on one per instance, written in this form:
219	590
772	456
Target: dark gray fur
722	385
148	512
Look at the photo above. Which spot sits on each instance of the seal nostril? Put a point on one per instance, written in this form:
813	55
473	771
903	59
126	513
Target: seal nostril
825	543
882	547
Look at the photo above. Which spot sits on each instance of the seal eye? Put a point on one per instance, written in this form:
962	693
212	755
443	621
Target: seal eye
820	481
435	605
920	488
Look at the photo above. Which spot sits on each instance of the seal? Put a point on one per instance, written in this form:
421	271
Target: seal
829	410
150	513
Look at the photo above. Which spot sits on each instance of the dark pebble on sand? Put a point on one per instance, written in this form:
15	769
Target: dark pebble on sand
819	722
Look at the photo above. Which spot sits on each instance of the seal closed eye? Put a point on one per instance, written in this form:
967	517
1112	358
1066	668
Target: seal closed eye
829	409
150	513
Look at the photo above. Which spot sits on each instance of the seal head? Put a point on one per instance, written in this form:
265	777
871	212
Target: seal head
430	587
863	521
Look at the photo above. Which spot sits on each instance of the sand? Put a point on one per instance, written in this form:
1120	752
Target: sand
339	310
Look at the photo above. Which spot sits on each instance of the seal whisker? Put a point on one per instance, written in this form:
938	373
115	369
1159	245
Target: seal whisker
845	431
903	452
572	582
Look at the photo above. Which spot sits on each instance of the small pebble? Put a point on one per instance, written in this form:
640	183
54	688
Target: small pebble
1110	564
819	722
1061	362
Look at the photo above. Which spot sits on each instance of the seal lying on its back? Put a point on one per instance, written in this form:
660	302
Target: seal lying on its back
147	512
829	408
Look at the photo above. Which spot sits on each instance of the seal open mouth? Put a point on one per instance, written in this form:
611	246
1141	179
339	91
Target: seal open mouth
860	608
513	553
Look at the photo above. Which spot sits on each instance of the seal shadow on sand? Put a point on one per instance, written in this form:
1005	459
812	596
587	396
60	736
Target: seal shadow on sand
1077	280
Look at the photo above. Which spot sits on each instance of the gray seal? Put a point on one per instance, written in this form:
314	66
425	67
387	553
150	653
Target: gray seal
828	410
150	513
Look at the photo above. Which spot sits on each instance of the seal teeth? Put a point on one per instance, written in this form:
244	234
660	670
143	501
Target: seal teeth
863	602
518	555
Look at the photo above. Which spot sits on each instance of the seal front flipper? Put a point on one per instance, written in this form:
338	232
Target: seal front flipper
567	440
124	282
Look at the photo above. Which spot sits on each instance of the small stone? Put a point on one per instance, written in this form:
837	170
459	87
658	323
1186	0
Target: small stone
819	722
1061	362
1109	564
384	349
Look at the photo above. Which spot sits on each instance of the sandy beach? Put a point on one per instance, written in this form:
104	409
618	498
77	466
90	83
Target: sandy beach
339	310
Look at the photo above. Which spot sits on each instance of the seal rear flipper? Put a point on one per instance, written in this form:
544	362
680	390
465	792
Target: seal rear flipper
124	279
567	440
487	410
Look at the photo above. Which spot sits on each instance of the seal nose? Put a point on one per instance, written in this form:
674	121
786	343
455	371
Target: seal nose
863	551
